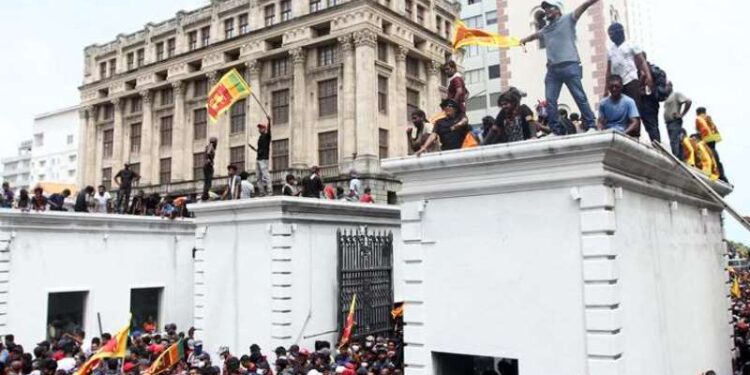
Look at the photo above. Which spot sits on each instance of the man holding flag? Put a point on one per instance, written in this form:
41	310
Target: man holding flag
114	348
563	61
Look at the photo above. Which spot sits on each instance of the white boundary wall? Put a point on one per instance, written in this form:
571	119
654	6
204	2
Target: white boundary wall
104	255
589	254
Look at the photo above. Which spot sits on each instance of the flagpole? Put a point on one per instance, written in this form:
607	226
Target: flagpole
261	105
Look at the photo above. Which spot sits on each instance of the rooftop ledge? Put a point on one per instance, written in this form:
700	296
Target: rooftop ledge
74	221
295	209
607	157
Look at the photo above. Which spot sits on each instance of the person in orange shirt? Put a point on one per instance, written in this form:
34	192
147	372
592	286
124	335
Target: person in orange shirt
709	134
689	146
706	158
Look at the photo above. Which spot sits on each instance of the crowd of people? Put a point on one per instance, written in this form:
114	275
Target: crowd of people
66	353
635	91
740	294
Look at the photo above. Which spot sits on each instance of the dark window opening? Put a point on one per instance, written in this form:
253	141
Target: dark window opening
145	306
65	313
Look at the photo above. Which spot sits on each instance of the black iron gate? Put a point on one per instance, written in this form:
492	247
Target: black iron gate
365	267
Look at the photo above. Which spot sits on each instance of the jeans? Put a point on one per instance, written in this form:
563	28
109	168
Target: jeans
719	166
674	128
123	197
208	176
650	116
569	74
263	178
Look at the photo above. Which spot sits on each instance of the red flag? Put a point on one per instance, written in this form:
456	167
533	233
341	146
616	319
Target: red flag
347	334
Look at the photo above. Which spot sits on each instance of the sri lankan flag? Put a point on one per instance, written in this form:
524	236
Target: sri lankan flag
166	360
114	348
465	36
230	88
347	334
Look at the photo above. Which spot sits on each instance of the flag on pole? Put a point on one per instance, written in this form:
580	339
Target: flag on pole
230	88
114	348
465	36
347	334
736	293
166	360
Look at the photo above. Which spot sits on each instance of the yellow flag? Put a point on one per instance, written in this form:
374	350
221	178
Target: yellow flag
736	293
465	36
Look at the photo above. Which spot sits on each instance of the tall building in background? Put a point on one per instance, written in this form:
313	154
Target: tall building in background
339	79
17	169
489	71
54	157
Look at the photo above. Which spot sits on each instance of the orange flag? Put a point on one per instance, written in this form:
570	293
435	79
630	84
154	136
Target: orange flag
465	36
114	348
347	334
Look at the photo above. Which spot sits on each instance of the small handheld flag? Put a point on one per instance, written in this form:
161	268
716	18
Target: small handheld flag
465	36
114	348
230	88
736	293
166	360
347	334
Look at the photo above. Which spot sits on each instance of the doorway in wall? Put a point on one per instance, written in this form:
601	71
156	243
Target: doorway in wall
145	305
65	313
451	364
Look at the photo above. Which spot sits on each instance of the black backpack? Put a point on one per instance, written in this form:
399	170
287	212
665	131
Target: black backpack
660	82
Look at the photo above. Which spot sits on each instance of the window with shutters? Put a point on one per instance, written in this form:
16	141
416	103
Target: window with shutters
382	94
412	102
103	70
141	57
229	28
237	157
328	148
167	96
200	88
383	143
193	40
136	105
205	35
165	171
159	51
107	143
237	119
131	60
280	106
280	154
135	138
112	67
107	178
199	124
243	23
326	55
270	14
108	112
328	97
412	67
314	5
280	67
165	130
171	47
490	18
286	10
383	51
199	160
409	8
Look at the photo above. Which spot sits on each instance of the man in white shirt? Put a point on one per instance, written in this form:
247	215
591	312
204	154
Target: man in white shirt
232	190
246	187
626	60
101	200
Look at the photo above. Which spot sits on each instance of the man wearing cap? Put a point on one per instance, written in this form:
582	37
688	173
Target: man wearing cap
124	179
208	167
563	61
451	130
262	175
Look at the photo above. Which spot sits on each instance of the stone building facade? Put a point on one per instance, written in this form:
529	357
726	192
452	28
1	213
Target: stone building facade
338	77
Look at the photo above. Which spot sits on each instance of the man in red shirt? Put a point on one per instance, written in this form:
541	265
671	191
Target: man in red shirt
456	87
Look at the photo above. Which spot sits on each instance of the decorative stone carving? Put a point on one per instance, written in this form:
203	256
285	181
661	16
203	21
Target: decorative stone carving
401	54
146	96
434	68
365	37
346	42
298	55
178	88
118	103
213	77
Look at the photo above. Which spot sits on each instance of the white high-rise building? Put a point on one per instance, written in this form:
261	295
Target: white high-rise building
54	157
16	169
489	71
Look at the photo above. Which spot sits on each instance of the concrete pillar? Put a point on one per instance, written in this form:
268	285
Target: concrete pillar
147	161
366	132
178	132
298	121
433	87
346	127
398	140
187	148
85	145
118	144
253	113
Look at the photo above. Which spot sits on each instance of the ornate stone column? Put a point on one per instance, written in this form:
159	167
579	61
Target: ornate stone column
86	145
347	126
147	164
400	146
178	132
253	113
300	145
433	87
119	135
366	132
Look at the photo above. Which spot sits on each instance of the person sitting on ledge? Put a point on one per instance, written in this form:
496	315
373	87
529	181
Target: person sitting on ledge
618	111
418	134
450	130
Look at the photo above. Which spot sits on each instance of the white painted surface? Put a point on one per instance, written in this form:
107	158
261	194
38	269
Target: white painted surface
564	254
105	255
266	269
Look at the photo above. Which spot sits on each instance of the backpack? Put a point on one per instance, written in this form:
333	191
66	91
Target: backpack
660	82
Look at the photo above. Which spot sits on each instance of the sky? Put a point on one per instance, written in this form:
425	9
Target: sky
695	41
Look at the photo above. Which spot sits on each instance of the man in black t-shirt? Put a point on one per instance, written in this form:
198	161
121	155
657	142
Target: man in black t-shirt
208	166
312	184
124	179
261	161
450	130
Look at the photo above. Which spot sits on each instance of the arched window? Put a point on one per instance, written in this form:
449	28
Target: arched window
538	22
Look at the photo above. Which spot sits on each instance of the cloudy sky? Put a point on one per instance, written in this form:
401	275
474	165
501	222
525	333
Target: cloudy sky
699	46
